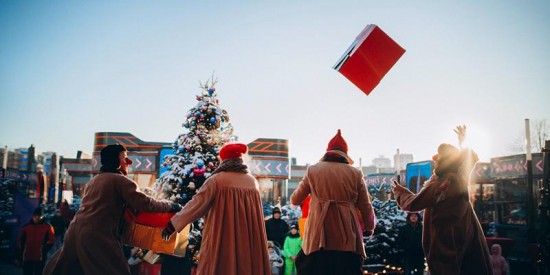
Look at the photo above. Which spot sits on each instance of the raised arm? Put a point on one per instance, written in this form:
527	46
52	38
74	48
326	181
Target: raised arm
460	131
196	207
138	200
427	196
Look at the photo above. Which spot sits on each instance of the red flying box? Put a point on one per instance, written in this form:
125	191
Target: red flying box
369	58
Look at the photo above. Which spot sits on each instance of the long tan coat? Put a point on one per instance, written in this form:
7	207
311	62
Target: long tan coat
337	191
234	239
92	242
452	239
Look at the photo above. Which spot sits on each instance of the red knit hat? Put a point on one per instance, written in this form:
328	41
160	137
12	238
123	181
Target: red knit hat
233	151
338	143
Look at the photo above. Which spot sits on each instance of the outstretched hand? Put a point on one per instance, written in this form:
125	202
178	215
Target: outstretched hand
460	131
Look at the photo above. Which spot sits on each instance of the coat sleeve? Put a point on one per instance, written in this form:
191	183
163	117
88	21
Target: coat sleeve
364	205
197	207
408	201
138	200
300	194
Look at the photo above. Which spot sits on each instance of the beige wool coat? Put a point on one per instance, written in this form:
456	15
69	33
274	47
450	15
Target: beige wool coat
234	238
337	191
92	243
452	239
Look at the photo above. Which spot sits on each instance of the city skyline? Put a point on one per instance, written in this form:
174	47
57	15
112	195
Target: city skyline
71	69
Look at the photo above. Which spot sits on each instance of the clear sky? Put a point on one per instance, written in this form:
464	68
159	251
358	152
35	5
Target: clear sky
69	69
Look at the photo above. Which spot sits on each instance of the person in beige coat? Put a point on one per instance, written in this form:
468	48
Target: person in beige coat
234	238
339	211
92	243
452	239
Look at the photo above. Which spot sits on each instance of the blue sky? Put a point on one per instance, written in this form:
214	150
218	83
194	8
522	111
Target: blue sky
69	69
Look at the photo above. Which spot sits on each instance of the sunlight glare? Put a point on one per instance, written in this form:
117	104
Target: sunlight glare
480	141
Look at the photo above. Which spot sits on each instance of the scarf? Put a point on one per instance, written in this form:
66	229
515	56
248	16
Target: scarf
232	165
297	235
334	158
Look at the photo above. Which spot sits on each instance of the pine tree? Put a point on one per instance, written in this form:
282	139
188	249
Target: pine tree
207	129
382	250
195	156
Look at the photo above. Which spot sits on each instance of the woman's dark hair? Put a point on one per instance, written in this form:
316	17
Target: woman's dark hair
452	160
110	158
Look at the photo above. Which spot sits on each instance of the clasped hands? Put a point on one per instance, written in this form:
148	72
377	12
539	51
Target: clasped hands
168	231
169	228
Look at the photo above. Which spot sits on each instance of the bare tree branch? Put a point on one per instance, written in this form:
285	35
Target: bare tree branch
541	133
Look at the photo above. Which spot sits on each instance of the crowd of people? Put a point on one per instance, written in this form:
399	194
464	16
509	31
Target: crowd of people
442	230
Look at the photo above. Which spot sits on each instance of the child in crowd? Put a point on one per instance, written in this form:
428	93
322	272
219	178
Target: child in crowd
135	259
500	266
275	259
292	246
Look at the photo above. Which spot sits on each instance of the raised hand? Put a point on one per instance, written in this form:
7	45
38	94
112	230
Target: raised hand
460	131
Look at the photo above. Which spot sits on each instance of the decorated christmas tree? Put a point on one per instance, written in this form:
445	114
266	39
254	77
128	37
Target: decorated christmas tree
195	156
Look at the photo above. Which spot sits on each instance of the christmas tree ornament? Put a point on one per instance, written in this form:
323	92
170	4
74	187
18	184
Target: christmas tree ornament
199	172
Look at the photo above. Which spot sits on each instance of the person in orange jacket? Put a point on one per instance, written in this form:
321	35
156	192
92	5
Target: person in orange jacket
35	240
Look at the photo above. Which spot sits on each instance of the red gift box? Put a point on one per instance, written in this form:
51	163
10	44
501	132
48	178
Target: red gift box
144	231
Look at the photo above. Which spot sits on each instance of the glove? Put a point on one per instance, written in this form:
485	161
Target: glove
176	207
168	231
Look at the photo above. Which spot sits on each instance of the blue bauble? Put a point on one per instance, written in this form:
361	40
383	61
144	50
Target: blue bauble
184	196
213	120
211	91
200	163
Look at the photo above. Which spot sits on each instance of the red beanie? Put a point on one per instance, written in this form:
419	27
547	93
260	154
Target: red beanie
233	151
338	143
